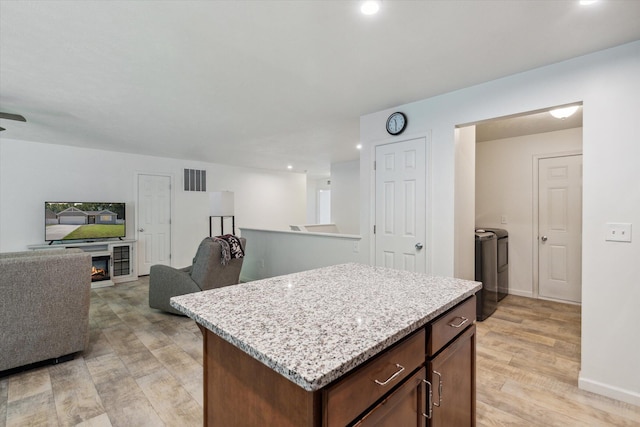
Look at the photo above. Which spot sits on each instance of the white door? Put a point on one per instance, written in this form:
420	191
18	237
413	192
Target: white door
154	221
560	228
400	211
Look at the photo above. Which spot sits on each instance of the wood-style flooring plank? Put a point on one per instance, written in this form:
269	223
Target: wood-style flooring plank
101	420
127	405
4	394
561	403
74	392
34	382
528	361
38	410
107	368
493	416
181	409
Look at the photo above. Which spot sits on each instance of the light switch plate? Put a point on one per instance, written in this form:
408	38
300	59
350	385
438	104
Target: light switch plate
618	232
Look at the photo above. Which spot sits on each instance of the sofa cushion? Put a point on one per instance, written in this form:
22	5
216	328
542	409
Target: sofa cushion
44	305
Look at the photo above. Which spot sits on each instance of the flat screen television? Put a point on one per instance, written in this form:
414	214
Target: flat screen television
83	221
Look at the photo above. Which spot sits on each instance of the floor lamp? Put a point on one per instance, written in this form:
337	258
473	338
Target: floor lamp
221	206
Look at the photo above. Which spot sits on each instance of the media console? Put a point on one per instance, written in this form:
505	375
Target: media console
112	262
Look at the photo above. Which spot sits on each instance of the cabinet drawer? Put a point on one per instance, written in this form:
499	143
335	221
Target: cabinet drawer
405	406
450	325
349	397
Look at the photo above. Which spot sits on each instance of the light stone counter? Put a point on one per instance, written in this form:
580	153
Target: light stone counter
313	327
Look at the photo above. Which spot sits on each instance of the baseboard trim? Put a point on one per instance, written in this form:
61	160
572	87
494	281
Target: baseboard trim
607	390
520	293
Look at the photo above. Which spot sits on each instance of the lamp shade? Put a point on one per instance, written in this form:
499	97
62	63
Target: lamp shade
221	203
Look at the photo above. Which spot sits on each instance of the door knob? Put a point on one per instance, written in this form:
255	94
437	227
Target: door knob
543	238
141	229
418	246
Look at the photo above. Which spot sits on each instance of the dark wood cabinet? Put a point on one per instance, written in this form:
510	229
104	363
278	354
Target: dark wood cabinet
351	395
442	394
426	379
405	406
451	376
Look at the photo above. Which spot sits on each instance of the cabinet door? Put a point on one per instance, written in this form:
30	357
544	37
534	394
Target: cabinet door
122	262
403	407
452	377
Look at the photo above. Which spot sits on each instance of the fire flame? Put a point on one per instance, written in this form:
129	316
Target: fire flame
97	271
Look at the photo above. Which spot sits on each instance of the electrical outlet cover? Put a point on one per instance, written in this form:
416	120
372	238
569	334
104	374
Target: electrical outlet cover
618	232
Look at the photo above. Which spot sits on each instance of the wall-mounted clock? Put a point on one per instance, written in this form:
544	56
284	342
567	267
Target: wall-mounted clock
396	123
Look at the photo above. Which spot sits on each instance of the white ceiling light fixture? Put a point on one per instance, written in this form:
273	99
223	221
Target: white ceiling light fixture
370	7
359	146
587	2
563	113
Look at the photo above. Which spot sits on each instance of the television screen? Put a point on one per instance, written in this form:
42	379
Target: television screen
83	220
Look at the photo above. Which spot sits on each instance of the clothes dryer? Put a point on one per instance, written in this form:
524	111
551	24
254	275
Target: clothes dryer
487	273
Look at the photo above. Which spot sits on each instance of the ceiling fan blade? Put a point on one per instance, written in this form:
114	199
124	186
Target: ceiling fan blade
9	116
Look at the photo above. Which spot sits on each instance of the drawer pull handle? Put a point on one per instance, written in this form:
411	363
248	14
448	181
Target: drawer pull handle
439	389
464	320
430	400
392	377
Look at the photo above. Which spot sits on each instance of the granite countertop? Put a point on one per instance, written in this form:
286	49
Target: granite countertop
313	327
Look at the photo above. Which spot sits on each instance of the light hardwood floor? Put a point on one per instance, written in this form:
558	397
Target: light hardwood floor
144	368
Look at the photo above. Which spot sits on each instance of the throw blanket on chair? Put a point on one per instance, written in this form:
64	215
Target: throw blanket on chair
231	247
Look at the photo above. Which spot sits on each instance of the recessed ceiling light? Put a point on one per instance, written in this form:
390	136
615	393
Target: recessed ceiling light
289	167
370	7
587	2
563	113
359	146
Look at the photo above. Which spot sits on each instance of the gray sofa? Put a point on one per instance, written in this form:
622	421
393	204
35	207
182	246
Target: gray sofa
206	272
44	305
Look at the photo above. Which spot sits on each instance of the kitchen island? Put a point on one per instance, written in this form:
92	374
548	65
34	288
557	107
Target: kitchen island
329	346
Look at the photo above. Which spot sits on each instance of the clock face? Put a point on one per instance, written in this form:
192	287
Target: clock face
396	123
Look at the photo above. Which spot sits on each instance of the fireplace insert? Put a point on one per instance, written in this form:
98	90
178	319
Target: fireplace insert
100	268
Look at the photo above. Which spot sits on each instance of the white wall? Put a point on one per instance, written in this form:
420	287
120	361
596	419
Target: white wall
274	253
504	186
345	196
608	85
31	173
464	249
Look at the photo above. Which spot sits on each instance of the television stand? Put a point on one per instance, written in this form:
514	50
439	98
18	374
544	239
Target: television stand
113	261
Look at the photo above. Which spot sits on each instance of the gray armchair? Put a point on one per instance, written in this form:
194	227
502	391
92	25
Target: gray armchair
207	272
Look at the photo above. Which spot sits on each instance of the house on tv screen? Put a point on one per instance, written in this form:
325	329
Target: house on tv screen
75	216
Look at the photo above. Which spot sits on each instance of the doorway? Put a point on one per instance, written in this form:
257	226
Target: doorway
507	151
323	203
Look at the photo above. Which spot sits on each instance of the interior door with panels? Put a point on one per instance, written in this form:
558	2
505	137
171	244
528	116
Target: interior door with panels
154	221
400	206
560	228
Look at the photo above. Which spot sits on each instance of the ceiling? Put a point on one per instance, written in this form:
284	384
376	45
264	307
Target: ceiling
266	83
525	124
